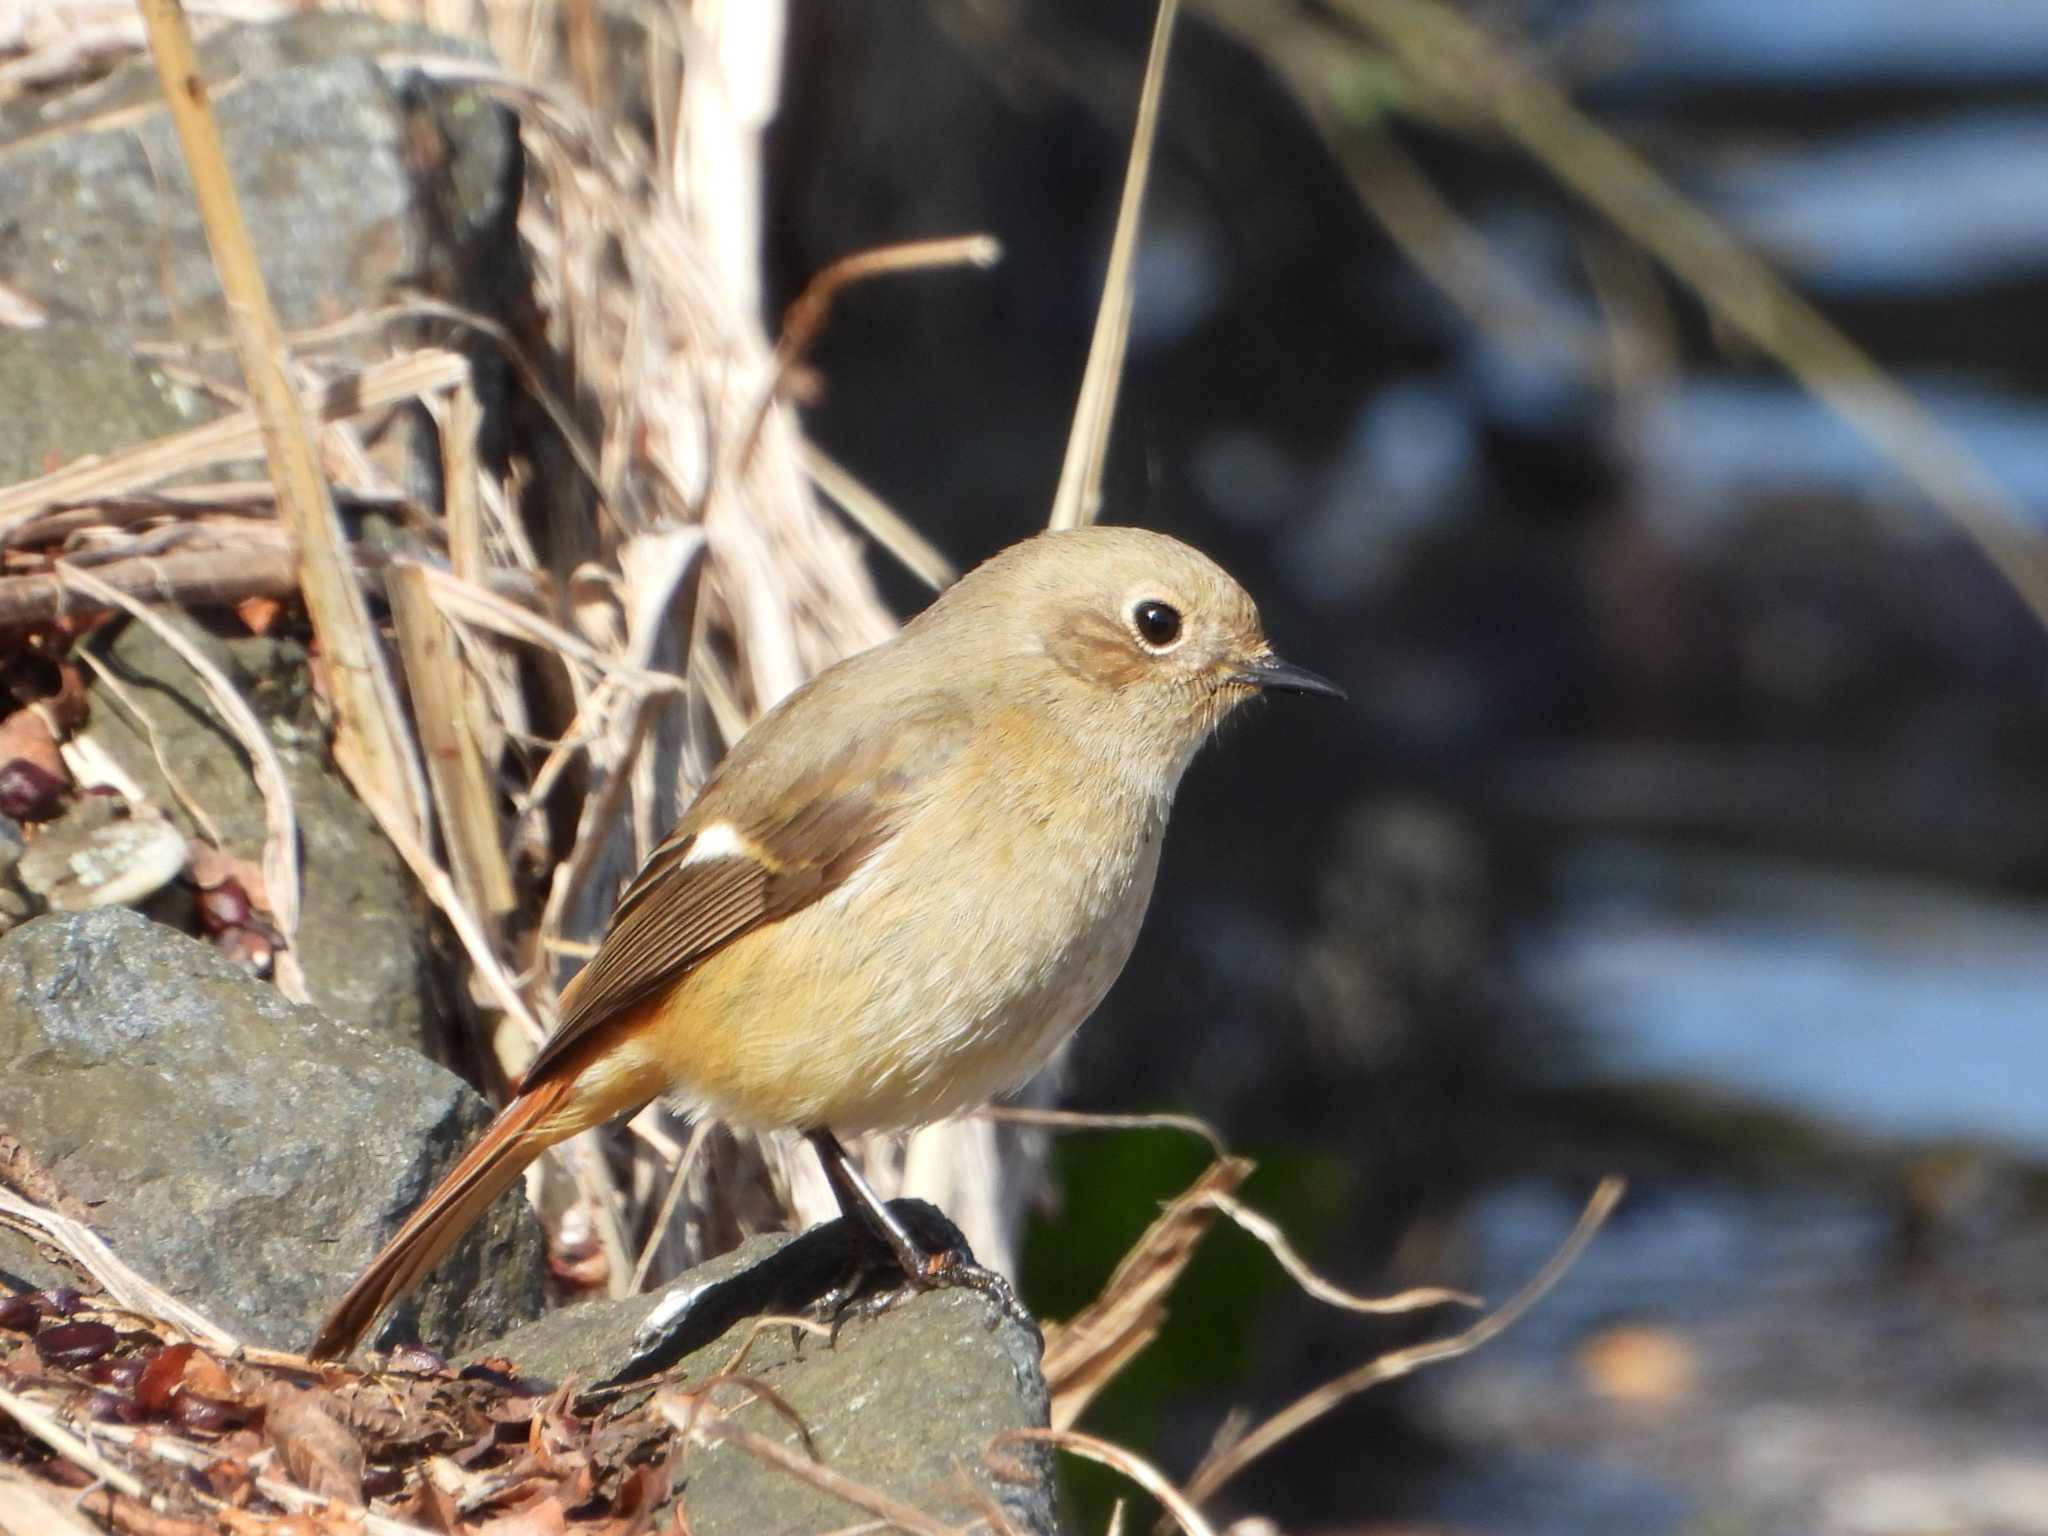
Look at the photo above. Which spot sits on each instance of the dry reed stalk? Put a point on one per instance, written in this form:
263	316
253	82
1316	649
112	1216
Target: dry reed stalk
371	741
462	795
238	435
1079	494
59	1437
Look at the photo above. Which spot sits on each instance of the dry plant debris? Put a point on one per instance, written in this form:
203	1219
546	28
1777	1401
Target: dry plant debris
130	1420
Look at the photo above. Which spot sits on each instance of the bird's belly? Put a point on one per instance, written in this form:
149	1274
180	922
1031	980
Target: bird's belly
898	1003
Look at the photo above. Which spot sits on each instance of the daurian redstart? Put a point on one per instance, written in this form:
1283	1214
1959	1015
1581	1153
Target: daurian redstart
904	886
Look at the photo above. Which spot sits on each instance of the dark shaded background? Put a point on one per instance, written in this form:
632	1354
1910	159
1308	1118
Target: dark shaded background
1686	818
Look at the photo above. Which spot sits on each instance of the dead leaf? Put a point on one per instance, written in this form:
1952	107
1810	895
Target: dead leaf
431	1508
546	1516
203	1373
37	776
319	1453
211	869
161	1375
259	613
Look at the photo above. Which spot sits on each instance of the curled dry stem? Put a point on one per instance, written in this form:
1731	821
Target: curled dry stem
281	827
1233	1459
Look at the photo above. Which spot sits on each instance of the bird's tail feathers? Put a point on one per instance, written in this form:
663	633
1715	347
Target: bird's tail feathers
523	1130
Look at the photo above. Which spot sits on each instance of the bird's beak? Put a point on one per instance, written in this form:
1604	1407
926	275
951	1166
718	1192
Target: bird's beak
1272	675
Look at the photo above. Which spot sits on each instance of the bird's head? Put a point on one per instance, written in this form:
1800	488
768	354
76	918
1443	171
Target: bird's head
1137	644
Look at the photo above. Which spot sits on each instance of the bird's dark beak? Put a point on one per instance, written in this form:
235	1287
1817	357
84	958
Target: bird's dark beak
1272	675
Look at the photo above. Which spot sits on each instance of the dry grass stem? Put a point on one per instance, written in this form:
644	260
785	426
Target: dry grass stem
371	742
1079	494
197	579
678	1174
237	435
144	722
281	826
463	799
1451	59
1268	1232
880	521
89	1251
1085	1353
1109	1454
1090	1120
29	1507
1221	1468
47	1428
808	312
761	1325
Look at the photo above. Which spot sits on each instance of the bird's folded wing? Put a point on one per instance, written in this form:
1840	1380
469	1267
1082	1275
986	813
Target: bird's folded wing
758	845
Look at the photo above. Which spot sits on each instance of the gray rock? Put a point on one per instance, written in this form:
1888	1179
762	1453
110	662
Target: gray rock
905	1402
70	390
363	924
322	117
16	905
246	1154
359	173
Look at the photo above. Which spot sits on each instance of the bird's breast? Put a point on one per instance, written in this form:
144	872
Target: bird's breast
942	973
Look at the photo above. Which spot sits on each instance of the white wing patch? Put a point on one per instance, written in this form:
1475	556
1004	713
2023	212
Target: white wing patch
720	840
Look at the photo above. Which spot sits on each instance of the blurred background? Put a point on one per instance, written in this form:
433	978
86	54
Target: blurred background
1685	819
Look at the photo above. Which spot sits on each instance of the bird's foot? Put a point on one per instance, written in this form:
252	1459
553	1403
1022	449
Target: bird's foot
854	1296
955	1269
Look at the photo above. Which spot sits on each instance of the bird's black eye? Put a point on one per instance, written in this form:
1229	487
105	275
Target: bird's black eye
1158	624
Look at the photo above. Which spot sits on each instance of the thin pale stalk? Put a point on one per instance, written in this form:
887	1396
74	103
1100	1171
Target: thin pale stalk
1079	495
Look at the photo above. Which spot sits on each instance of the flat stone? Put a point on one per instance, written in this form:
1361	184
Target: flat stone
246	1154
907	1401
363	925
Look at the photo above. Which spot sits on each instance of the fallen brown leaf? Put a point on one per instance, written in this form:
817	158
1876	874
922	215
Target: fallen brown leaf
429	1506
203	1373
39	778
319	1452
546	1516
259	613
213	869
161	1374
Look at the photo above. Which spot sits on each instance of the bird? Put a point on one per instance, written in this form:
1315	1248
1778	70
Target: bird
902	888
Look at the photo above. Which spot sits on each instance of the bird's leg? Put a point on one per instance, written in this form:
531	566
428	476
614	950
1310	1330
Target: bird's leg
857	1199
923	1271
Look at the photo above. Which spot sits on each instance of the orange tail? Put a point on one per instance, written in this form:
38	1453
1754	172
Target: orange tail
526	1127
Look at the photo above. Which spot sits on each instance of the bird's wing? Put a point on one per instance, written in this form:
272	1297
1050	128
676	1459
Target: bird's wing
762	841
